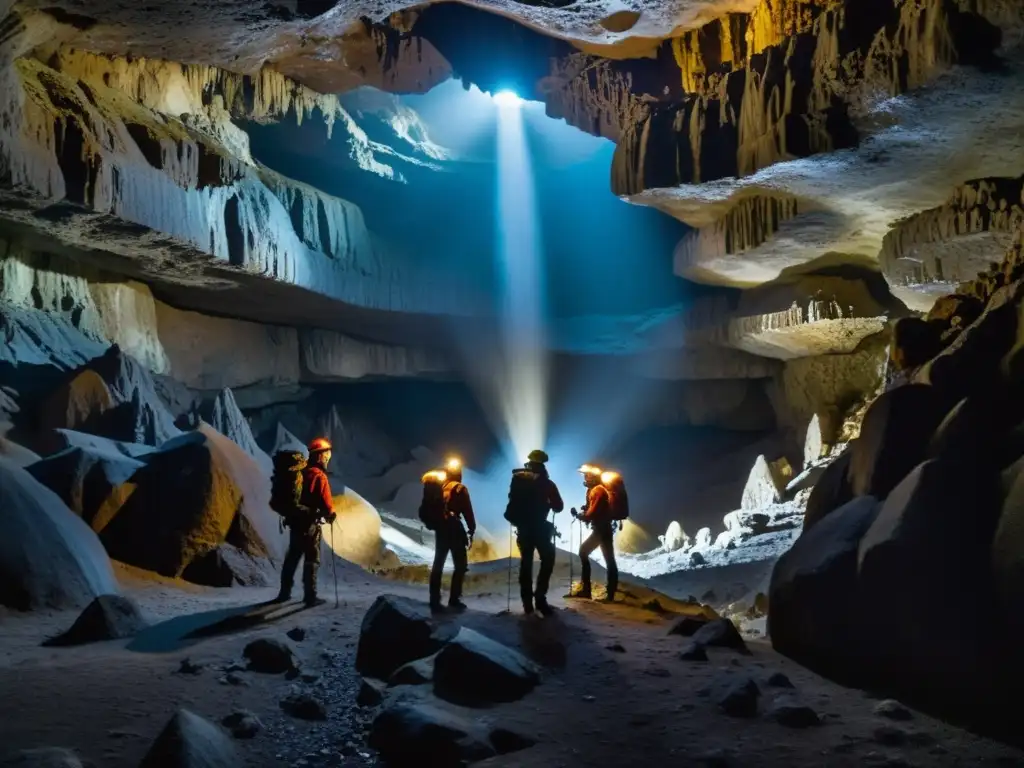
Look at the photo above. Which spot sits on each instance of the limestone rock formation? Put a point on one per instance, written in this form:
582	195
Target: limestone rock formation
224	416
955	241
192	496
111	396
93	482
947	430
764	486
49	558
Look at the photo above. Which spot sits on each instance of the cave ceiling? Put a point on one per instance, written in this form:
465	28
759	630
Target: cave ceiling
793	137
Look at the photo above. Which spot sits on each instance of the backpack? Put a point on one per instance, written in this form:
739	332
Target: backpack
433	505
527	498
286	484
618	500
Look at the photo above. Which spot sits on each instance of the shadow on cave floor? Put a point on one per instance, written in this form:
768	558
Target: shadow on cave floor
182	631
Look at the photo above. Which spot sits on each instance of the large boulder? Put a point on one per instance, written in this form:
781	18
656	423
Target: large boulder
189	741
112	395
395	631
814	588
108	617
927	552
48	556
93	482
229	566
974	432
894	438
1008	554
474	669
830	492
186	501
971	364
409	735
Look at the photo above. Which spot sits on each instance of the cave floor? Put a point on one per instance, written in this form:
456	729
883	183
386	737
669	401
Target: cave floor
597	706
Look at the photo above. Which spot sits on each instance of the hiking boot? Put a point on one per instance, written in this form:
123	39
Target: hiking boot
456	605
436	607
282	597
544	607
311	601
582	592
528	607
608	598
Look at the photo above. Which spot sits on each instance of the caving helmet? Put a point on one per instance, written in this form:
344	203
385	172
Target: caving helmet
537	456
318	445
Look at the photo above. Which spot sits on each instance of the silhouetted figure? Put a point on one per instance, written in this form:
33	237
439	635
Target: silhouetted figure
443	511
598	515
315	504
531	495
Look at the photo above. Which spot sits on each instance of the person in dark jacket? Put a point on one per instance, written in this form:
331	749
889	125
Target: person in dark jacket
452	537
532	496
598	515
304	536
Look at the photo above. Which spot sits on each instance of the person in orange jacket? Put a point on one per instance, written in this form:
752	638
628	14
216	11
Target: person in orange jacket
317	504
598	515
452	537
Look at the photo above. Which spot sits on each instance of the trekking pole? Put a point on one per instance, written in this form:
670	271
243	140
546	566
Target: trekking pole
508	604
334	562
573	520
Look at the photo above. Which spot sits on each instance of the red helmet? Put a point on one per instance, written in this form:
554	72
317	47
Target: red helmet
319	445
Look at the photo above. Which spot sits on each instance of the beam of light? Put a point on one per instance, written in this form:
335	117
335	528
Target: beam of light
506	99
522	333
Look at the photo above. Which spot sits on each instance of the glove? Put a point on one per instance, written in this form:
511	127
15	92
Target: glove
470	545
331	517
573	512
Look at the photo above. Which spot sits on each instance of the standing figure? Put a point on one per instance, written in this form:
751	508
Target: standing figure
531	495
443	511
599	515
314	505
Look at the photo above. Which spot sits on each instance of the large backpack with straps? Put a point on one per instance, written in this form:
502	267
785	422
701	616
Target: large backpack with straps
618	499
434	504
286	484
527	498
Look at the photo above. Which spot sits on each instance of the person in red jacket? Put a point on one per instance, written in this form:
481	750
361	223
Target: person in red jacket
317	504
451	536
598	515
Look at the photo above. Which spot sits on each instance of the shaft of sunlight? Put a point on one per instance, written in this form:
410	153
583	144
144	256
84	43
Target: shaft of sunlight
523	396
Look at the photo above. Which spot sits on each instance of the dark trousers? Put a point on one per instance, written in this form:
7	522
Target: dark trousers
303	544
537	540
449	538
601	536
